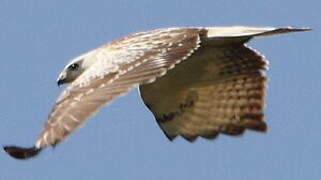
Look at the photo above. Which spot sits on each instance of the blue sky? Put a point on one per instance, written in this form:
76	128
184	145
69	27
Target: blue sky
37	39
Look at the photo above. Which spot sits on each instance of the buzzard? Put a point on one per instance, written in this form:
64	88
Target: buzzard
197	81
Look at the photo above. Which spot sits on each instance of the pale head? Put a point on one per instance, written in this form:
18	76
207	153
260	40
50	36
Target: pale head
75	68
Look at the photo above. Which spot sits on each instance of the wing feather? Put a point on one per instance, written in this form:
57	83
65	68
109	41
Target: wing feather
224	94
80	100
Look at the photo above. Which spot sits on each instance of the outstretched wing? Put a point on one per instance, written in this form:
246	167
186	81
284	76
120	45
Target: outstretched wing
141	58
224	94
229	101
220	89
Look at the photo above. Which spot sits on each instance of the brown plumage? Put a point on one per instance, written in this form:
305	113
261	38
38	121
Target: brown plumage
196	81
226	96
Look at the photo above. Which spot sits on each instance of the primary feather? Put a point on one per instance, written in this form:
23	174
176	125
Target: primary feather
198	81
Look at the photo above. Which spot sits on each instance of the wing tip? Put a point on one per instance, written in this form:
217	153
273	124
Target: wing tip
282	30
20	152
300	29
292	29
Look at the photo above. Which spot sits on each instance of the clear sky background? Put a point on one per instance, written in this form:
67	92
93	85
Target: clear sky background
37	39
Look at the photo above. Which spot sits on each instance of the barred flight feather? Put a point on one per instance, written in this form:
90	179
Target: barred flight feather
198	81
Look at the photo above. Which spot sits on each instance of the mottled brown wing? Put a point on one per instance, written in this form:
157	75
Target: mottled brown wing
220	89
79	101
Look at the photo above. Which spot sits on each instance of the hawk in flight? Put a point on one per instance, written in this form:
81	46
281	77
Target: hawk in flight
197	81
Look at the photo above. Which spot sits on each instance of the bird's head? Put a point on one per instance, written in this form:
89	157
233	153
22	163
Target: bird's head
75	68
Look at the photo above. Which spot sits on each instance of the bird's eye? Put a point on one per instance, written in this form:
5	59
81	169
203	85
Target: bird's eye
73	67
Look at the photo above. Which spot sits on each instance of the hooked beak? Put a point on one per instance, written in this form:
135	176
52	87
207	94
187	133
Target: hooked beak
61	82
62	79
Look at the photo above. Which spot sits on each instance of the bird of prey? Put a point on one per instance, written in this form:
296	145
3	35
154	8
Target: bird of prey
197	81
